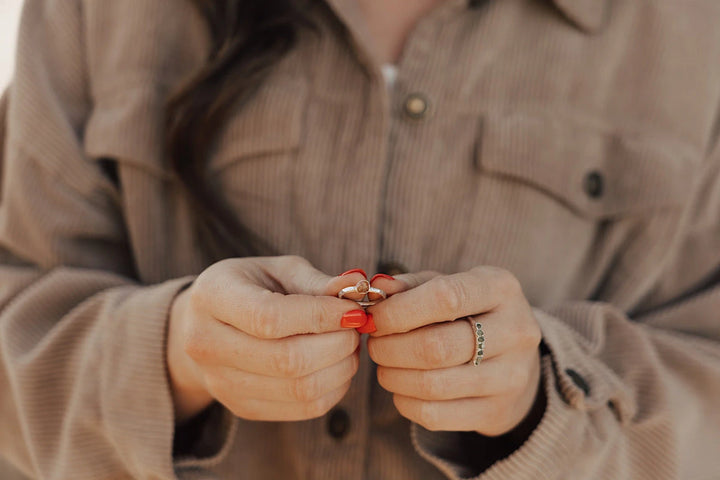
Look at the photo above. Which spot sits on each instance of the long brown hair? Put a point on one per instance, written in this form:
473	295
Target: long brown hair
247	38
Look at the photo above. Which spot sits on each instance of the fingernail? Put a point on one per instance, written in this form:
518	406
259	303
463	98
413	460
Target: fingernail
353	319
381	275
354	270
369	326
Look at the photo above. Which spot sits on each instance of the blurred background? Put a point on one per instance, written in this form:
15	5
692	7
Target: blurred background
9	16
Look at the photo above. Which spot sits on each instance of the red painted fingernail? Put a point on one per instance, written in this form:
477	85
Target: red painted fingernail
369	326
381	275
353	319
354	270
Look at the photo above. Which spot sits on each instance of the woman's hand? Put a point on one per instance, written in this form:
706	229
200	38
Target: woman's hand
423	355
263	337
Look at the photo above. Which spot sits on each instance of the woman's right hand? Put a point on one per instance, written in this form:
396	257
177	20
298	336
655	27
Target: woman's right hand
262	336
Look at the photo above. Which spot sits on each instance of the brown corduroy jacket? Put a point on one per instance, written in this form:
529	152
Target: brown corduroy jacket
571	142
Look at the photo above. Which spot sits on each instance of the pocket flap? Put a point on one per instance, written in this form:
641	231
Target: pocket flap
596	173
127	125
270	122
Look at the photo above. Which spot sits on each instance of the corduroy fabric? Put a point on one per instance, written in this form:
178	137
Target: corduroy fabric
527	100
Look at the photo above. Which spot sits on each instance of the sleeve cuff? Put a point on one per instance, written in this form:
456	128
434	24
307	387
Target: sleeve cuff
575	383
204	440
138	413
553	441
146	394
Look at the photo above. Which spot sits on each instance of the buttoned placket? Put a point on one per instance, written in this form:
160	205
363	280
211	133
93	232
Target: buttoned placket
412	107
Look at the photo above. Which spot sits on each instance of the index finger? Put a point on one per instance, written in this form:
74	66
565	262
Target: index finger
442	299
272	298
275	315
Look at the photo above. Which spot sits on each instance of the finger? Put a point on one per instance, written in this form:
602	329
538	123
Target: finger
271	315
269	297
490	416
295	275
264	410
216	343
440	345
447	297
400	283
493	377
303	389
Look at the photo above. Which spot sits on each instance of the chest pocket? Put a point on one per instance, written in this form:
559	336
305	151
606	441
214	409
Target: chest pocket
596	174
255	162
270	123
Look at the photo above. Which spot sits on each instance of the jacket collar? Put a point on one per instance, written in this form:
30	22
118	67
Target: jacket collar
588	15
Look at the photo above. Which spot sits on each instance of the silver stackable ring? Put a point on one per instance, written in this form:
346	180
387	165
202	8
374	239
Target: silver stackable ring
479	341
363	287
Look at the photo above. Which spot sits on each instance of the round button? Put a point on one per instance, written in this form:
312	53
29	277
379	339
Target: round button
338	423
594	184
416	106
391	268
578	380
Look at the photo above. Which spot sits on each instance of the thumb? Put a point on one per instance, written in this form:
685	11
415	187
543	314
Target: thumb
403	282
292	274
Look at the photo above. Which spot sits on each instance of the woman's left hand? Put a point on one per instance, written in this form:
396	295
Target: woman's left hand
423	352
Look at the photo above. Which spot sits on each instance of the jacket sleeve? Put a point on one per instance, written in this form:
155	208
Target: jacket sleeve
83	386
629	396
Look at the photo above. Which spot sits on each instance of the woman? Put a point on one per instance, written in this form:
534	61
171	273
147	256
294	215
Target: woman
546	169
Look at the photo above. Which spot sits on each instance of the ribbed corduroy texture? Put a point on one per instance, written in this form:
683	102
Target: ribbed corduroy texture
528	98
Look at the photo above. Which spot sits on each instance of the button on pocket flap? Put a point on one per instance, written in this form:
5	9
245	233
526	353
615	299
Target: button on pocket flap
270	122
593	172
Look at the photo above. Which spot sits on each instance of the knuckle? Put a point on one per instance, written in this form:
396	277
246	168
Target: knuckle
429	416
431	386
515	330
434	349
318	408
502	410
294	261
289	362
198	294
292	362
262	322
319	310
354	366
518	378
533	334
507	284
376	350
499	426
305	389
217	387
242	409
529	336
197	345
350	341
450	294
382	376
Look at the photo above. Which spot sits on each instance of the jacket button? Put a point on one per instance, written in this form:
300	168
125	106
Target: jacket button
594	184
578	380
416	106
338	423
391	268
